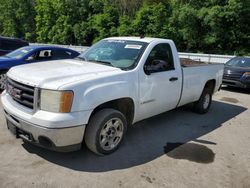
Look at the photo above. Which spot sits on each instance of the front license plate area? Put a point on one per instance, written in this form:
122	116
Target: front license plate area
19	133
12	128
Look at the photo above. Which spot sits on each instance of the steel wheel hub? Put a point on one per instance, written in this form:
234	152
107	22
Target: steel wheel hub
111	134
206	101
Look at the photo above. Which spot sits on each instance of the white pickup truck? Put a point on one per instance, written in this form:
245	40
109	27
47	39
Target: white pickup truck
94	98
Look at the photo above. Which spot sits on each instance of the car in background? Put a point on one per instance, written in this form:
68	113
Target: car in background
32	54
8	44
237	72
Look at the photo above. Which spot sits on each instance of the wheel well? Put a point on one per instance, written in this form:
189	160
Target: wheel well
124	105
210	85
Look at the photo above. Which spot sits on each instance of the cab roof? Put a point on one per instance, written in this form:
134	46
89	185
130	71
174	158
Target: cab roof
140	39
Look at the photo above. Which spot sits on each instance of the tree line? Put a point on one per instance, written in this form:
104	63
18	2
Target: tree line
212	26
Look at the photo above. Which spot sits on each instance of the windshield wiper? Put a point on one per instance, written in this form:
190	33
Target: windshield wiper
81	58
108	63
102	62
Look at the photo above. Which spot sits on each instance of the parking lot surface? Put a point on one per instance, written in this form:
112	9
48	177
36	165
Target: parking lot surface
175	149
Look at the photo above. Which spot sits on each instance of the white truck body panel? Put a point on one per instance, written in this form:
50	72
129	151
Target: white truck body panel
195	78
95	84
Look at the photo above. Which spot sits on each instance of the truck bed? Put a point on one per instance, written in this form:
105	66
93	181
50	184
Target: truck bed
186	62
195	76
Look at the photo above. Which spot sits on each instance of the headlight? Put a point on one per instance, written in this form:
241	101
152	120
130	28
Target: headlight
246	74
56	101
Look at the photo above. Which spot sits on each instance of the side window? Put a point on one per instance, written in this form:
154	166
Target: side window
32	57
69	54
160	59
44	55
61	54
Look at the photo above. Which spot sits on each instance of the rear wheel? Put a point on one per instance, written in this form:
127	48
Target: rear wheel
105	131
203	104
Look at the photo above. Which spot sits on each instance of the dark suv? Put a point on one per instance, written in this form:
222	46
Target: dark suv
237	72
9	44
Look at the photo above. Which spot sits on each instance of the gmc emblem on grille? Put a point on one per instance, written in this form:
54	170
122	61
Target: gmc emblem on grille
14	92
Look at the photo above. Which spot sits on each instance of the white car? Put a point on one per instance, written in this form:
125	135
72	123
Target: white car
94	98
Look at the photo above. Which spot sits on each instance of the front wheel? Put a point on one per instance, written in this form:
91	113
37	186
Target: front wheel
105	131
203	104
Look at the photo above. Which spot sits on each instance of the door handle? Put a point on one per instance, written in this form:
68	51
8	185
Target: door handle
173	79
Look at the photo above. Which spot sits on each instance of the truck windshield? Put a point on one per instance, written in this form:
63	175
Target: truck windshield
122	54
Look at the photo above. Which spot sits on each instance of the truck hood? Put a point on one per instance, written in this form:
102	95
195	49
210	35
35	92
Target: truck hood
54	74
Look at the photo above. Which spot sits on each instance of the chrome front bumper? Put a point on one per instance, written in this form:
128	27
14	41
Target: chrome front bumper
55	131
57	139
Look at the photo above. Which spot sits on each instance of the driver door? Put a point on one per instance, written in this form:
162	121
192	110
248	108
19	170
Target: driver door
160	82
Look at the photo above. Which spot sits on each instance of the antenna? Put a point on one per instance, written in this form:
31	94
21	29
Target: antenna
142	36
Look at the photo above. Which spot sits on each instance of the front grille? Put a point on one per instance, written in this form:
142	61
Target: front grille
21	93
232	76
229	83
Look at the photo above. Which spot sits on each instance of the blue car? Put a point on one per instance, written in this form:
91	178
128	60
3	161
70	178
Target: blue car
32	54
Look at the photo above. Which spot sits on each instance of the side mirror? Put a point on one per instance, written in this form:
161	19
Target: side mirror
29	59
154	66
147	69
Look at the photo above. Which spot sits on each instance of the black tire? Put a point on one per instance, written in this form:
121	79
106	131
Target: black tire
2	80
203	104
95	131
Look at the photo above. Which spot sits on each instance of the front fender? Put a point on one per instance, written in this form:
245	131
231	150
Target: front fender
104	92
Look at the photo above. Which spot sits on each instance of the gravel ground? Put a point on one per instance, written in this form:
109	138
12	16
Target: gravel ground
175	149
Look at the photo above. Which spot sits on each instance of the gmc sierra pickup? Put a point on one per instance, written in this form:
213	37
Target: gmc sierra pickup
94	98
